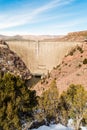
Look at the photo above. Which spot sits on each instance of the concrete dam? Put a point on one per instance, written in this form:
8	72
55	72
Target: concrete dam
40	57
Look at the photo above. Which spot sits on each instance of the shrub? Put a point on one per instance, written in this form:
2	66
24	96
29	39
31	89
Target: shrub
79	65
80	49
72	52
65	63
85	61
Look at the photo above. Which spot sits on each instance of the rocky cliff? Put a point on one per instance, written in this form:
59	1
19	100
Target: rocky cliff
10	62
75	36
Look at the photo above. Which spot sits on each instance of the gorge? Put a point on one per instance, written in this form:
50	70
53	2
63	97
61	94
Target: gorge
40	57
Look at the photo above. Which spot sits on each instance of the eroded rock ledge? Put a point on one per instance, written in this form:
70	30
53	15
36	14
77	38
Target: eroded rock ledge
10	62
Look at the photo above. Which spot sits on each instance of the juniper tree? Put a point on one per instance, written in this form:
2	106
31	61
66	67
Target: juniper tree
16	101
48	102
76	101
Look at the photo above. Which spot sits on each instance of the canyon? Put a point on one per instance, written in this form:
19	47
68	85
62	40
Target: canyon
40	56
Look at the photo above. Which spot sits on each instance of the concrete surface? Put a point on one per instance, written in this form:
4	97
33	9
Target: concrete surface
40	57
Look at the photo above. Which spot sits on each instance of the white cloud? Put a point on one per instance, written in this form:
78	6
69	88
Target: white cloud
9	20
50	5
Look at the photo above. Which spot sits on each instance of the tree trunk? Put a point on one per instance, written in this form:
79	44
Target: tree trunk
77	123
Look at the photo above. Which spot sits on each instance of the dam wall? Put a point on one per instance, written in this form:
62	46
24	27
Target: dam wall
40	57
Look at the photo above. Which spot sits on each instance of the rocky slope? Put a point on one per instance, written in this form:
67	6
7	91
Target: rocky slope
10	62
72	70
73	36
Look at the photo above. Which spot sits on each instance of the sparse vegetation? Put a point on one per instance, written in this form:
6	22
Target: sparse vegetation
79	65
69	65
72	52
78	74
54	68
65	63
58	66
80	49
85	61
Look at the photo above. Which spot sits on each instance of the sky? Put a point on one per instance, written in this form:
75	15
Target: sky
42	17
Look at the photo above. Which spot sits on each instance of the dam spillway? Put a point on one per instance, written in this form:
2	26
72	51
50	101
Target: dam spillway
40	57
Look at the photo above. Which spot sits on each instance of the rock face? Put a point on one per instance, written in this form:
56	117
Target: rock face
72	70
75	36
10	62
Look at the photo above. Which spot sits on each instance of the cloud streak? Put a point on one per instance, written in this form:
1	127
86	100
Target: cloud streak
44	17
9	20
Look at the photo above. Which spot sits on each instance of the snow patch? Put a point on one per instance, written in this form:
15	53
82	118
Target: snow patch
53	127
83	128
57	127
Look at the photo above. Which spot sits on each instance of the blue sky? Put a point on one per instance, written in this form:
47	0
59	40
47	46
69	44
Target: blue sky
42	17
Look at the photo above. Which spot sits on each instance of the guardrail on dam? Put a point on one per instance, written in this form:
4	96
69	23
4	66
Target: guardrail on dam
40	57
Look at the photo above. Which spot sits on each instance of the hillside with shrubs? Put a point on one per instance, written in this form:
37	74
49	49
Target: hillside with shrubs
72	70
63	92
